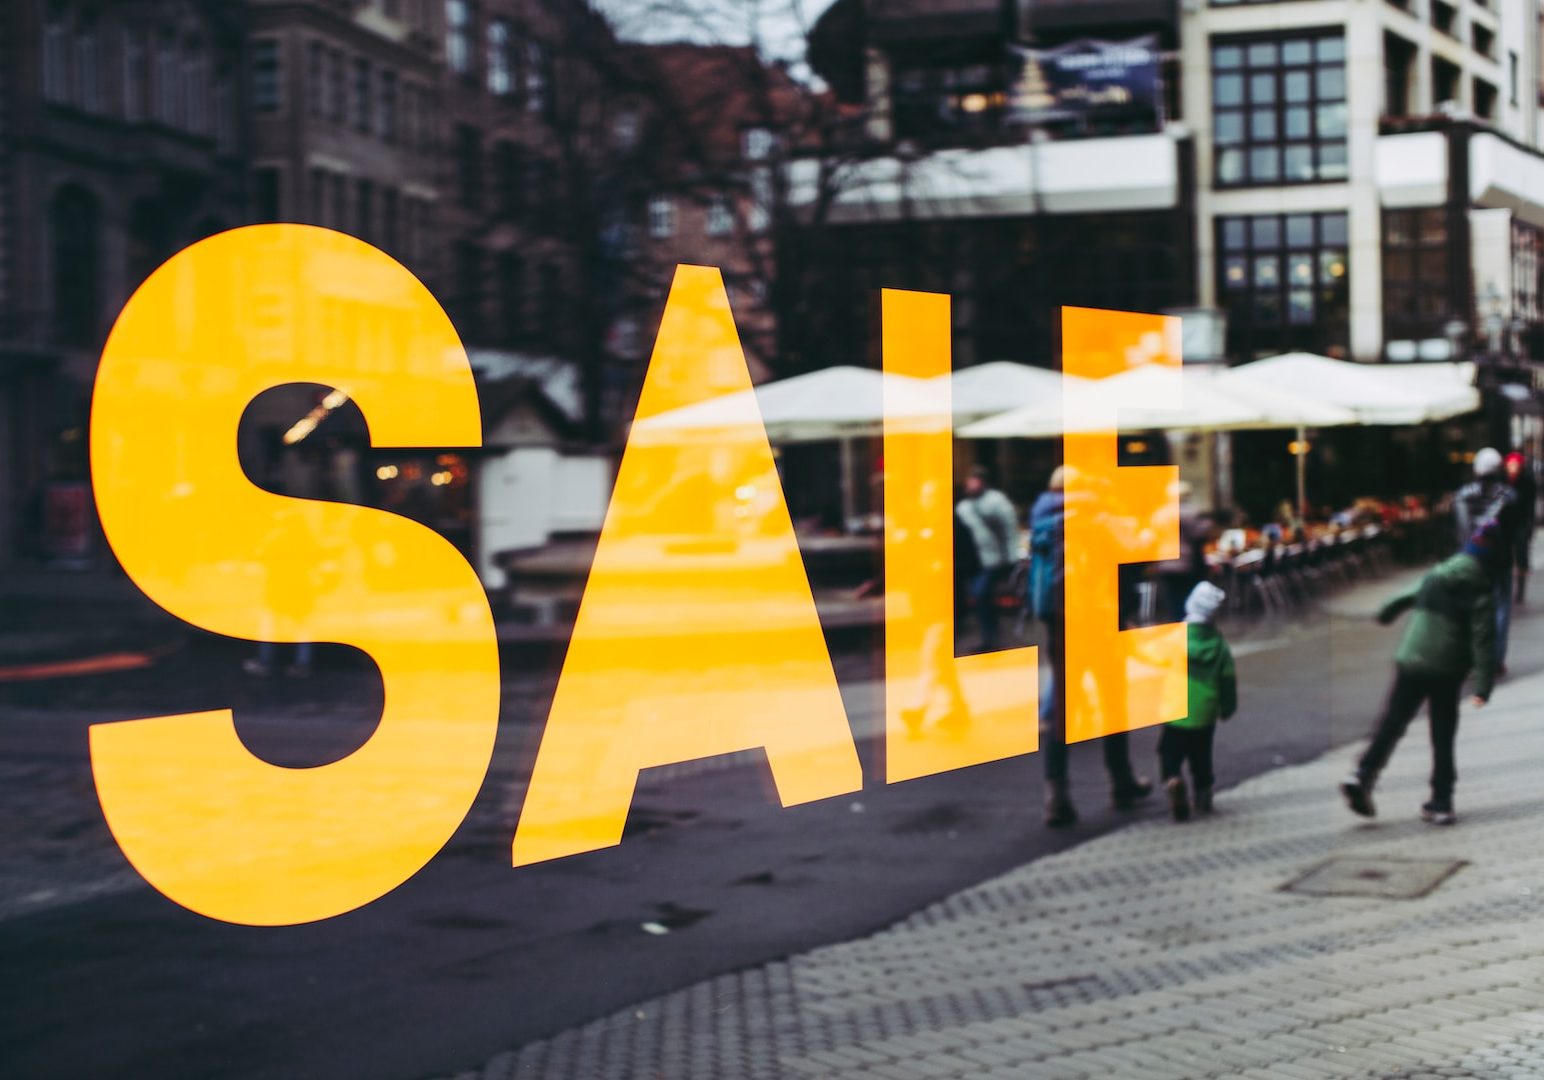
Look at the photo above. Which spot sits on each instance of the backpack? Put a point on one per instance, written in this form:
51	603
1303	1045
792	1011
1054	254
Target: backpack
1046	569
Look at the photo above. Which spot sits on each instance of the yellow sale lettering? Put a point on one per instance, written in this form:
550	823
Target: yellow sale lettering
697	633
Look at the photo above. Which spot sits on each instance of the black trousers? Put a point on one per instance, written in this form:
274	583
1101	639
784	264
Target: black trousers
1053	718
1406	696
1178	745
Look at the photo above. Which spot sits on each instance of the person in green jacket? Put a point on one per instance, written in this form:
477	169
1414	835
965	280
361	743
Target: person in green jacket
1213	695
1452	633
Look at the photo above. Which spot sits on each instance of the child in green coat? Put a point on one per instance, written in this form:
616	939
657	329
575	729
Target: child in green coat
1213	696
1452	633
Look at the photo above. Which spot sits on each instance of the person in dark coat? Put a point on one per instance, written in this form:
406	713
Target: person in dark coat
1452	633
1046	587
1488	497
1519	473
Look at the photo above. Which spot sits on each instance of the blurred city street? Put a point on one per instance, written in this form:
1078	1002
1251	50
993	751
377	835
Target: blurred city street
1279	938
714	878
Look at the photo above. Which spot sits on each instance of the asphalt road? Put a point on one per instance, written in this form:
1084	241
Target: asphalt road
104	977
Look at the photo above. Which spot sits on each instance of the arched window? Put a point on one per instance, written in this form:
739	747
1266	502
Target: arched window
75	228
56	72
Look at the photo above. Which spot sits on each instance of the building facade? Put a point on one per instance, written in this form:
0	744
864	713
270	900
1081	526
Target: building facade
122	141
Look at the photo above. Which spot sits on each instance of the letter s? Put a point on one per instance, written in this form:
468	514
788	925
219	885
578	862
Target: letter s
207	823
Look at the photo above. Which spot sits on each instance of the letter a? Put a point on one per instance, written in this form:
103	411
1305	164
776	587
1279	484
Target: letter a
697	634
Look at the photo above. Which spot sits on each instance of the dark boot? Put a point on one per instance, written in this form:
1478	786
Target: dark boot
1358	795
1203	800
1127	795
1179	799
1059	811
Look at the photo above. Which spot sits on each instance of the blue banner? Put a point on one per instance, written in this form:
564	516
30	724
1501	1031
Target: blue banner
1086	79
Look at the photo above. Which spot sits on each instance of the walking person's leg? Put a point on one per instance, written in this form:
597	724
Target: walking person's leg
1059	810
1405	697
1201	767
1173	748
1126	788
985	599
1503	593
1443	710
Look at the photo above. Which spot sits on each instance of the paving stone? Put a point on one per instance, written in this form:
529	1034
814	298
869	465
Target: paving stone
1156	952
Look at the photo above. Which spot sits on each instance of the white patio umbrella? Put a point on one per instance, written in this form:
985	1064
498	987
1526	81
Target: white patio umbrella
1206	407
834	404
1382	394
1212	403
988	389
1375	393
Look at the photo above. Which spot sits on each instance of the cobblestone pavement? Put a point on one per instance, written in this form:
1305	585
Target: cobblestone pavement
1168	951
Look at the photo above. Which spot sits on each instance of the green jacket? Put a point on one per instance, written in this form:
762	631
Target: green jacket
1454	626
1213	685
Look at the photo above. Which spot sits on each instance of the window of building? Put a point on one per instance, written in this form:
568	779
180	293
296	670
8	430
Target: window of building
134	75
148	242
56	85
337	101
1444	17
195	90
321	190
224	106
1527	264
364	210
720	216
1445	80
1416	296
625	128
509	170
75	220
469	165
168	83
662	217
1484	41
458	36
759	216
543	185
757	144
1284	280
409	250
1399	67
339	201
549	301
363	96
88	66
1485	95
1511	77
389	115
317	82
469	286
501	79
1279	109
265	75
538	77
390	231
267	198
511	274
933	99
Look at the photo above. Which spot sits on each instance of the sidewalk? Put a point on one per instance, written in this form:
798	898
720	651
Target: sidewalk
1172	951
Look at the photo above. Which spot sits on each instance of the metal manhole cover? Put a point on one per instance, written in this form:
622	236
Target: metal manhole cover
1384	877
